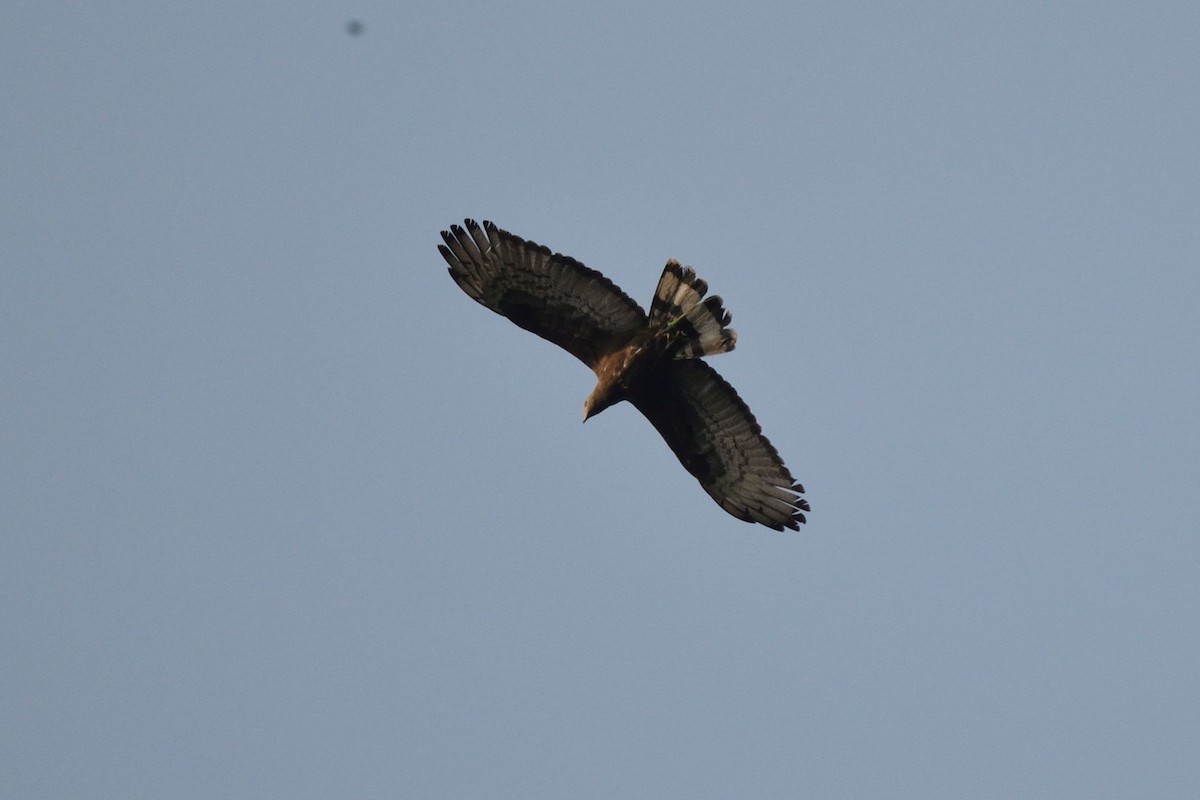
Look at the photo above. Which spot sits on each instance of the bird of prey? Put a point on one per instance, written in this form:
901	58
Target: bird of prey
652	360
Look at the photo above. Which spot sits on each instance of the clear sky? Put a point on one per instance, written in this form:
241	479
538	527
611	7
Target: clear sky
286	515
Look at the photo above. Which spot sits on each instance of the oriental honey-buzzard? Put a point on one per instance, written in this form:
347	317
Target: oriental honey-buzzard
653	361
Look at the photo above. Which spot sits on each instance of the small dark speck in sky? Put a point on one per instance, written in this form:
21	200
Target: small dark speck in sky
354	27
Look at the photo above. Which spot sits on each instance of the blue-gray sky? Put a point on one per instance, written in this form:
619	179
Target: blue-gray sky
285	514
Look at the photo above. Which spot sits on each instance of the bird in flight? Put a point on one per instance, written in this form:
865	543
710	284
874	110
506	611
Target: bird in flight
651	360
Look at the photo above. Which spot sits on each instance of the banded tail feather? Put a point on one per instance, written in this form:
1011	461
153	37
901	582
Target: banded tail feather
694	326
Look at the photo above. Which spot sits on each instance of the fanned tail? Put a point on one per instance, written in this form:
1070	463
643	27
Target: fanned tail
694	326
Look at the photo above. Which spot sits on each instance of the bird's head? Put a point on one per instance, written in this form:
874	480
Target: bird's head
600	399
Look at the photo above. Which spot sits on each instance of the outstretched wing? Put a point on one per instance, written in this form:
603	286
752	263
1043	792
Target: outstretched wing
547	293
718	440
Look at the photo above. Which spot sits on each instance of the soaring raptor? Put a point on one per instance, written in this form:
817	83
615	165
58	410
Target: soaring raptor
653	361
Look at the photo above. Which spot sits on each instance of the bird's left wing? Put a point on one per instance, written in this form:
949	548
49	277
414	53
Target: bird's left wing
718	440
547	293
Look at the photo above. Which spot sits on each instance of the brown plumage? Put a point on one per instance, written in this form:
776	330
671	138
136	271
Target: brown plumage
653	361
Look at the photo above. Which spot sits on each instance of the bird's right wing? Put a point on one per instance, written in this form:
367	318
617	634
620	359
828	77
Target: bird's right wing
718	440
547	293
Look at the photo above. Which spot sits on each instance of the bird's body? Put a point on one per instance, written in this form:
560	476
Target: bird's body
653	361
617	369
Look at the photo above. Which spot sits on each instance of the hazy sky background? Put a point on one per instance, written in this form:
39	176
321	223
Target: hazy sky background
286	515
